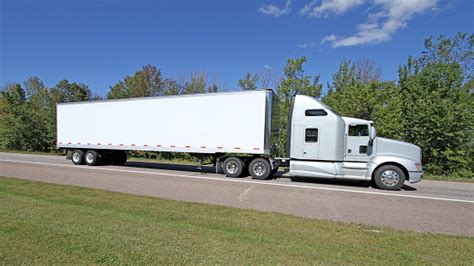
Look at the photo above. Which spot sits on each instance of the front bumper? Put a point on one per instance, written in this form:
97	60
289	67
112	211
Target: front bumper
415	177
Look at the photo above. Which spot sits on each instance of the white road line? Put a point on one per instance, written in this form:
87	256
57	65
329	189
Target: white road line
242	181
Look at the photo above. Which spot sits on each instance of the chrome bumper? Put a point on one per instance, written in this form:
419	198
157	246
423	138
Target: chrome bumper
415	176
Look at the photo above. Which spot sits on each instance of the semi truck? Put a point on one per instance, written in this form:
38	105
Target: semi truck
239	130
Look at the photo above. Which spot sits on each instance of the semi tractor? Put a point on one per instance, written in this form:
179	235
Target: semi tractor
239	130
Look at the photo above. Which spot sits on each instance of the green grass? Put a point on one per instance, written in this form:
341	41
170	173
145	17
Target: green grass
52	224
448	178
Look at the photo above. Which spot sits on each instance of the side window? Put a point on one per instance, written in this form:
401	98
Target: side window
315	112
311	135
358	130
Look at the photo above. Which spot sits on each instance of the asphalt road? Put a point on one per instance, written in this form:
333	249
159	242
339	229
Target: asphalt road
428	206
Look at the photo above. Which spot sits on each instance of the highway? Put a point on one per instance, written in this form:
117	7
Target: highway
428	206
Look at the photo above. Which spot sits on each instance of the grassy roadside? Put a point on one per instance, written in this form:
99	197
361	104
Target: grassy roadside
194	162
49	224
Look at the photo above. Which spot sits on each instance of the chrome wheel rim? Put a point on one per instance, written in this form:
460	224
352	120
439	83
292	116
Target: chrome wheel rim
89	157
76	157
390	178
231	167
259	169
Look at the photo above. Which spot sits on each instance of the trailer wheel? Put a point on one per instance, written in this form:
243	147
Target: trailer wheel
119	158
260	169
92	158
389	177
77	157
233	167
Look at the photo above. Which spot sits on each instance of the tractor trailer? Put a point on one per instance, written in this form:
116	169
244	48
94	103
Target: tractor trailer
240	131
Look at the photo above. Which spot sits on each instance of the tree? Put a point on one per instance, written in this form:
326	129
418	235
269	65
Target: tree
356	89
197	84
146	82
70	92
437	106
14	131
249	83
294	82
213	88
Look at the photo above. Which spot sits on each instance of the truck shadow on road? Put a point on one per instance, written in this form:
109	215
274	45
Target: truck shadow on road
279	175
342	182
173	167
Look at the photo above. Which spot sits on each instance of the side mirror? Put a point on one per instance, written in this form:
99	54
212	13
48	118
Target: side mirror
373	132
373	135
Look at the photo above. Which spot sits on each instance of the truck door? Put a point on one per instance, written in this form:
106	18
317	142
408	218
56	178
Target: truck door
357	142
311	143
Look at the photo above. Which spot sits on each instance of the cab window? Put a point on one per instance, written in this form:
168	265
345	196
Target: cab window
311	135
358	130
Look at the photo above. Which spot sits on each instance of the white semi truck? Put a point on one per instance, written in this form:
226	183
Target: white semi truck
239	130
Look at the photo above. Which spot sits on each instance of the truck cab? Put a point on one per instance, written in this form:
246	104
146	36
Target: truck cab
323	144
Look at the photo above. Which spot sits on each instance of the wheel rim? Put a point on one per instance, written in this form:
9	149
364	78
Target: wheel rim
232	167
76	157
90	158
390	178
259	169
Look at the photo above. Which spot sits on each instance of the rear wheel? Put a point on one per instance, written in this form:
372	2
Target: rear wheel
260	168
92	158
233	167
119	158
77	157
389	177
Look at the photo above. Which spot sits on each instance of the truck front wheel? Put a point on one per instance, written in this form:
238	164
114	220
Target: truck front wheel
389	177
92	158
260	169
233	167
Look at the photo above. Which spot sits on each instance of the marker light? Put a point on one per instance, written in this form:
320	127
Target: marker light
418	166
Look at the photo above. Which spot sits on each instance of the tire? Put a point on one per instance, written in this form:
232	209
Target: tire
119	158
233	167
92	158
77	157
260	169
389	177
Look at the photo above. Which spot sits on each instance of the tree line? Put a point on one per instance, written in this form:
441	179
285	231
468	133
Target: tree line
431	104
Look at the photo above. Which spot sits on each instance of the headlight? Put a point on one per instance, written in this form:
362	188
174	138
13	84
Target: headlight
418	166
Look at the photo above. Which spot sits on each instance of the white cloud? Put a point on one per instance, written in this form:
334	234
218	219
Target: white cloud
306	45
329	38
326	7
390	16
274	10
267	67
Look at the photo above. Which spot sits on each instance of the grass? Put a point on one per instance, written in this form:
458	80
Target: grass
449	178
43	223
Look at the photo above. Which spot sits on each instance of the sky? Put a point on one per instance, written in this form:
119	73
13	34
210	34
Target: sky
98	42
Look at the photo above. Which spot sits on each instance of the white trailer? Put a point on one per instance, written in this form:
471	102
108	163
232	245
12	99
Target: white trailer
239	130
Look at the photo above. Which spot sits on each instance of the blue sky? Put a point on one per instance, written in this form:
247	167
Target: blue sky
99	42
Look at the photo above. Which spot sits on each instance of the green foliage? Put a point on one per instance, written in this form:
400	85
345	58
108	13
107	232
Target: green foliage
357	92
146	82
295	82
197	84
431	106
249	83
438	107
28	121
